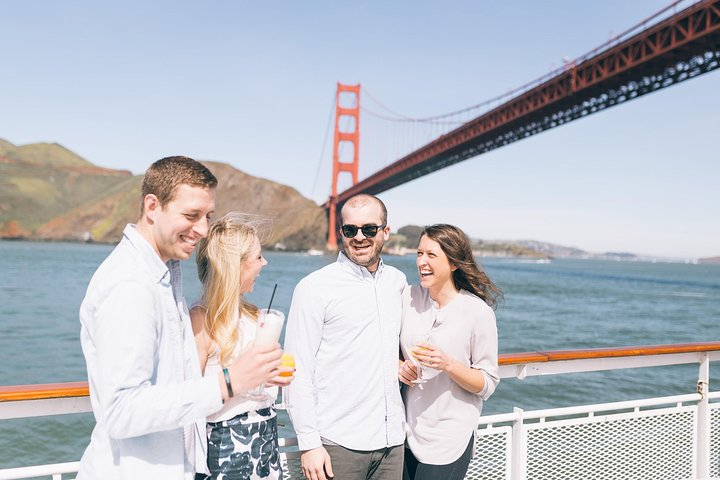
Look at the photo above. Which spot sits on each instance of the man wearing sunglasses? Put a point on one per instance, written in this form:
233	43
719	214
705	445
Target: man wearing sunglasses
343	328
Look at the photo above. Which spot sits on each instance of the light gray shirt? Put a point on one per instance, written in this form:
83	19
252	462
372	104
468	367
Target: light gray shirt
343	328
442	415
147	394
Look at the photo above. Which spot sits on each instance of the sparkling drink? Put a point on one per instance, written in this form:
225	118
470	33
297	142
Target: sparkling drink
415	350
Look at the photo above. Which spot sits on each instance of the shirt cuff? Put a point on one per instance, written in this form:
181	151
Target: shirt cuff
484	390
212	398
308	441
484	393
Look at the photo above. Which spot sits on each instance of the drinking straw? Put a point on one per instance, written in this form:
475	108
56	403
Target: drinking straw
271	297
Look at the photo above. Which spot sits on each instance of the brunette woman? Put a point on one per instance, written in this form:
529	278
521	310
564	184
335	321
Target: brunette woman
449	341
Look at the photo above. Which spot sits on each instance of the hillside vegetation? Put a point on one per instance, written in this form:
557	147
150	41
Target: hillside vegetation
43	154
48	192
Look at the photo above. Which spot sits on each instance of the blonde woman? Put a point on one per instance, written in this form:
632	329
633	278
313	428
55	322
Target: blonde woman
242	436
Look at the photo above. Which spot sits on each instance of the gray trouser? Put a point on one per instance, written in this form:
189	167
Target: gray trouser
382	464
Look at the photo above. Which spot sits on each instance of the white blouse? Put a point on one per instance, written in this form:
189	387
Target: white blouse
442	415
239	403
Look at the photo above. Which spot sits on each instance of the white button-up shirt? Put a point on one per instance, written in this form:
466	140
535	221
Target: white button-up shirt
147	394
343	328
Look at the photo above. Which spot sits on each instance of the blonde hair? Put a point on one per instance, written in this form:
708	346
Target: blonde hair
220	258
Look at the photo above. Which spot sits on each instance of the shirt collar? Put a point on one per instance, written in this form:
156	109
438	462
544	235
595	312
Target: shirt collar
357	269
158	269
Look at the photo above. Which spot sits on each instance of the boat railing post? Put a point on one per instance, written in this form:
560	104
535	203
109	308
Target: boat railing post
703	425
518	465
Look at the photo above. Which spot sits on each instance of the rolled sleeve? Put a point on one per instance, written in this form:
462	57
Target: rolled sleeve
127	336
484	354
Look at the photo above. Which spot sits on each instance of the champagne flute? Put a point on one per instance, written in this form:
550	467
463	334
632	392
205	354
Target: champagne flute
287	360
415	340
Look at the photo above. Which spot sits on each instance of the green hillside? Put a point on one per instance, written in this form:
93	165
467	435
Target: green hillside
34	195
47	154
49	193
43	181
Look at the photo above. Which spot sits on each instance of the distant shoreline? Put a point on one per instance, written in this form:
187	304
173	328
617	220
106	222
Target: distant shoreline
539	258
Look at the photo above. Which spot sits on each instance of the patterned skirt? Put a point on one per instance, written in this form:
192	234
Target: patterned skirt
245	447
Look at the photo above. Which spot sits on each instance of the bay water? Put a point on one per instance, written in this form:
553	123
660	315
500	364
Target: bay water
563	304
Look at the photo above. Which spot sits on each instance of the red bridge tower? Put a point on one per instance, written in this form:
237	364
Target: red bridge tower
352	117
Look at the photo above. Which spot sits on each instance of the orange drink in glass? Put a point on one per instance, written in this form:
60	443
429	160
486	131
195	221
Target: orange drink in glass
287	360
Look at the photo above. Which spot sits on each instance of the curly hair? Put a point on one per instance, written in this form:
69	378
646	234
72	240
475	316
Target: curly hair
468	275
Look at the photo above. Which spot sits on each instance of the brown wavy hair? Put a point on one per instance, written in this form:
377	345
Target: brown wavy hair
468	275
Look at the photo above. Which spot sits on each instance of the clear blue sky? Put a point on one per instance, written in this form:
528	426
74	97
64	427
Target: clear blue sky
251	84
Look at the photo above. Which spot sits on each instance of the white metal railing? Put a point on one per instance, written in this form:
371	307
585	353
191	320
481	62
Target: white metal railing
55	471
674	437
641	439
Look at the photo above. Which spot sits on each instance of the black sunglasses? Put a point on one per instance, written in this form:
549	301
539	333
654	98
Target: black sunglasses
349	231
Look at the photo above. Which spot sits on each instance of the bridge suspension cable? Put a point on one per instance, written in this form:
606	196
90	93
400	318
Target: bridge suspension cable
321	158
671	49
399	117
391	135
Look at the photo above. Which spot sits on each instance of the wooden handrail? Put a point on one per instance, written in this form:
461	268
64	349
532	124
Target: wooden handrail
80	389
590	353
41	391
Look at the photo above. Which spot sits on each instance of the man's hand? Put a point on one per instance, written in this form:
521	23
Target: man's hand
316	464
407	372
256	366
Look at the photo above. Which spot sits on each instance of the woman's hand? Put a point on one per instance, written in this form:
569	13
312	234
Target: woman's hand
468	378
432	357
407	372
284	378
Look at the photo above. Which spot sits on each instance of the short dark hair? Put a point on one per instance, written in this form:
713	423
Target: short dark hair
164	177
363	198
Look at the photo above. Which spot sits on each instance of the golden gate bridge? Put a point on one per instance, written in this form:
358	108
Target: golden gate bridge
654	54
